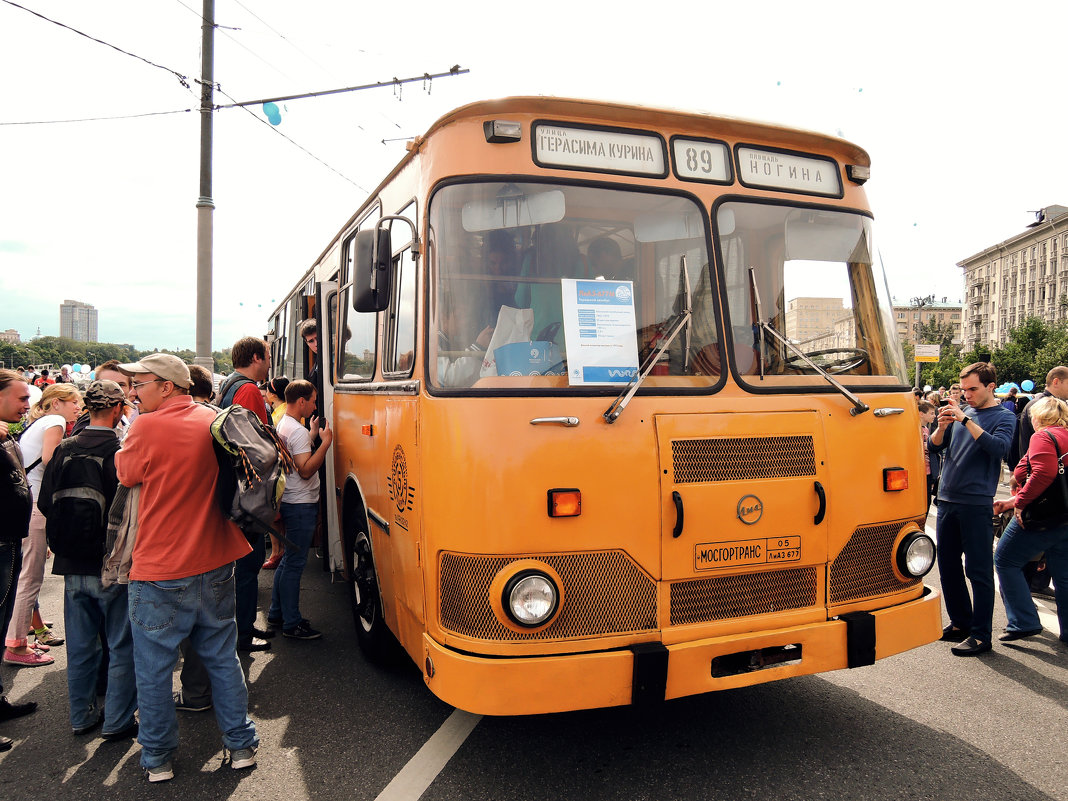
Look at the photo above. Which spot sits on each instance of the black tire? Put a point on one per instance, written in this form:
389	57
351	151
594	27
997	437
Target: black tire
374	637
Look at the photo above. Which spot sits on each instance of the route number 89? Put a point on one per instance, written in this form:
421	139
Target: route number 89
701	161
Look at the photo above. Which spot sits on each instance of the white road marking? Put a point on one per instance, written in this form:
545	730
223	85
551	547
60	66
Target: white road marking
424	767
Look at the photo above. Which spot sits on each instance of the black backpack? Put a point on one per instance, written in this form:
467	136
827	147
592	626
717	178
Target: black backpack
78	504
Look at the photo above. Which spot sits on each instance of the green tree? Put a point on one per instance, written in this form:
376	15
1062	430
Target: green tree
946	371
933	332
1052	354
1012	362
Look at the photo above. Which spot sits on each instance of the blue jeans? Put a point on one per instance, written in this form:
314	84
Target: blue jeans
1016	548
967	530
10	568
162	614
247	584
88	609
299	519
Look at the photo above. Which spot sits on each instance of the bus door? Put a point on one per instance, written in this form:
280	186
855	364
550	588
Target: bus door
396	428
326	299
744	514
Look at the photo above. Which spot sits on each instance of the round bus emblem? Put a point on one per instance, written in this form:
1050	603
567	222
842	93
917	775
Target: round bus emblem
750	509
399	479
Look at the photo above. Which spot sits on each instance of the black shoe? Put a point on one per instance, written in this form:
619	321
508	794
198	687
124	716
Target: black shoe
952	634
253	644
9	710
263	634
188	706
6	743
302	632
91	727
970	647
1009	636
274	622
122	734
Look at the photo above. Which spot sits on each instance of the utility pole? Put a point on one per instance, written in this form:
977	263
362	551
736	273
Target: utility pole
205	204
919	304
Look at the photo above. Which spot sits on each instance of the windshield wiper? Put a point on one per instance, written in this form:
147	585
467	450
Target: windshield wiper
682	319
859	406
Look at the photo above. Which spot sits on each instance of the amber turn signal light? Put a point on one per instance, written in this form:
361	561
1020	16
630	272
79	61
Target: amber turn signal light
895	479
565	503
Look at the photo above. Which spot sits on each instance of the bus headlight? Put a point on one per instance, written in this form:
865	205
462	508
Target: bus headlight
530	598
915	555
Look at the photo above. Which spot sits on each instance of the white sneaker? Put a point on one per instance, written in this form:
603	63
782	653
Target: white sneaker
160	773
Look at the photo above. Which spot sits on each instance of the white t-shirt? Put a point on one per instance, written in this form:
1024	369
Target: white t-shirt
298	441
32	443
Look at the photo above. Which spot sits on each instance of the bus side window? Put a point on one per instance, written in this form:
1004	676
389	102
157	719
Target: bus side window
400	356
356	331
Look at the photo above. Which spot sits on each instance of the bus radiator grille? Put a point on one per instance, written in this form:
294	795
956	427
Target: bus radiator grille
604	593
742	458
865	566
727	597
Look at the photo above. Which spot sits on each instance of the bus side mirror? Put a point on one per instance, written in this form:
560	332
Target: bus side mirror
371	272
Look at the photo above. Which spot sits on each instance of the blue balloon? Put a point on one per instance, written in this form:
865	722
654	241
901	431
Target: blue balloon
271	112
1027	385
75	368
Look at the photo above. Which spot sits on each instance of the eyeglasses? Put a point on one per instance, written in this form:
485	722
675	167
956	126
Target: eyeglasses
142	383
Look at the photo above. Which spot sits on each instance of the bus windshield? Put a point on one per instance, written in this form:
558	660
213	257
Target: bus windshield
811	275
499	246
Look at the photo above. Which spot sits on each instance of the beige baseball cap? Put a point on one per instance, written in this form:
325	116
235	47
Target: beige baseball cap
164	365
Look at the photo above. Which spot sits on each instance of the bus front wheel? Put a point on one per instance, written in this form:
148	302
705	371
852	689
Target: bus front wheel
374	637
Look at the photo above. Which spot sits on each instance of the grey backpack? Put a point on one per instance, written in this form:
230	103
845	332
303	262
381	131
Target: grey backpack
253	463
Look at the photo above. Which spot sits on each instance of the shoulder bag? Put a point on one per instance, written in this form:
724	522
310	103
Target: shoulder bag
1050	509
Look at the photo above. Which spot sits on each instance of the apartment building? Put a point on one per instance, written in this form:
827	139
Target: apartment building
1024	276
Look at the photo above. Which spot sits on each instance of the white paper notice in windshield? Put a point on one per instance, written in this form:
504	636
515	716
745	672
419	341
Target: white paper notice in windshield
601	335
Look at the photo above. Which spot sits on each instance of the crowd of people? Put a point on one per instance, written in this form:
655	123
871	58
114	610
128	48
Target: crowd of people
967	434
119	485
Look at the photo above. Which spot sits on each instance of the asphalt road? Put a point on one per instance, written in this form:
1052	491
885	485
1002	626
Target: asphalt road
919	725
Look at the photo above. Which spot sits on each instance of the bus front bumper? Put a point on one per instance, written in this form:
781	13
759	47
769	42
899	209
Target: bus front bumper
653	672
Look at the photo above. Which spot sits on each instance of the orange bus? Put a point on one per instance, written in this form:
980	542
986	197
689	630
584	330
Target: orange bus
620	413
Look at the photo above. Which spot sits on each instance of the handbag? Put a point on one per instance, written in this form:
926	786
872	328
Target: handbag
1050	509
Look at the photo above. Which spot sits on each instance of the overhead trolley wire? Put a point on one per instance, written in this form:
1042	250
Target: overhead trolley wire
184	80
102	119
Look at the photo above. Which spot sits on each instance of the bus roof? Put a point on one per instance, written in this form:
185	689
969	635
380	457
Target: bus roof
620	114
625	115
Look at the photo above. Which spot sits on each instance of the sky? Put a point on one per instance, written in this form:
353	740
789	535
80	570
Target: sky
957	103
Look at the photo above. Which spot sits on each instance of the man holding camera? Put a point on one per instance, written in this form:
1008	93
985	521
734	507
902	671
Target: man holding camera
974	441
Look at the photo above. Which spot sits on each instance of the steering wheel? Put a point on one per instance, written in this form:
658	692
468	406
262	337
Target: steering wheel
851	359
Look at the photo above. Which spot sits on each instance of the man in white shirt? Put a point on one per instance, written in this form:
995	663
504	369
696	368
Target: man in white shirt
300	507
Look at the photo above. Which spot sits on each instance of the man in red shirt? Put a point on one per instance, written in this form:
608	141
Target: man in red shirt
182	574
252	366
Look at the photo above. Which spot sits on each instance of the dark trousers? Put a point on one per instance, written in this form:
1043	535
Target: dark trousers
246	584
966	532
10	567
196	683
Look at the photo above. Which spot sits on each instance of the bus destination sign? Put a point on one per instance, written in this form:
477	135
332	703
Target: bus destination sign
603	151
712	555
773	170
